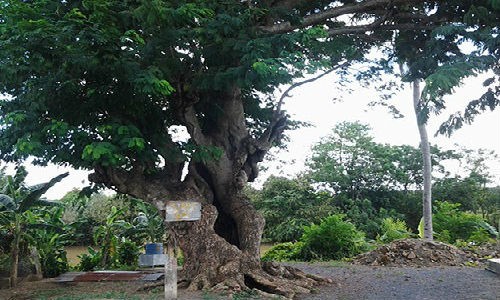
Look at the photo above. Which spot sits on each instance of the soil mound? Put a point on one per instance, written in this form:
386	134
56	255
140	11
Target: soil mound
413	252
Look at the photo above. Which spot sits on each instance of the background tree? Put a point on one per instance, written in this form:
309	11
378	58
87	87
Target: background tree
427	164
290	204
99	85
349	161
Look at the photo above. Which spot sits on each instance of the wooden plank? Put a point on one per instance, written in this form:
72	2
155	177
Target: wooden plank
176	211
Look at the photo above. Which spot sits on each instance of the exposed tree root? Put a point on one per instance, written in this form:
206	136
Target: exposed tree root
271	281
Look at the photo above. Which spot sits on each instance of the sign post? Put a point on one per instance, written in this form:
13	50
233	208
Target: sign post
176	211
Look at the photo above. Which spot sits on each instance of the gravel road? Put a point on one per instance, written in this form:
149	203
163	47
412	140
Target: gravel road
440	283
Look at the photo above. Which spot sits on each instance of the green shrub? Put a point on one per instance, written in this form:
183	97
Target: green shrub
393	229
333	238
284	252
480	236
127	253
89	261
54	264
451	224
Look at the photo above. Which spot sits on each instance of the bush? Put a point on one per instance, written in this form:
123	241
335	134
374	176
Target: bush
127	253
333	238
451	225
283	252
393	229
480	236
54	263
90	261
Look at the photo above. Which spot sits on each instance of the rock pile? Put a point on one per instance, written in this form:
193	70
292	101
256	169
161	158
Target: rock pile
413	252
480	254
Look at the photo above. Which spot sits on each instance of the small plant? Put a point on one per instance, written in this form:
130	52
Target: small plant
127	253
90	261
52	255
148	225
180	257
393	229
480	236
283	252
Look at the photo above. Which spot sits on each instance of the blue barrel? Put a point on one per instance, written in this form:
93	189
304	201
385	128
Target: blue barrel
154	248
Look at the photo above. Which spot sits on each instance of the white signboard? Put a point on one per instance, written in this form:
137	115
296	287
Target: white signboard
176	211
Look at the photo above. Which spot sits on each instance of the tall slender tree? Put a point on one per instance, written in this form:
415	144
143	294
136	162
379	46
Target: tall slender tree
427	164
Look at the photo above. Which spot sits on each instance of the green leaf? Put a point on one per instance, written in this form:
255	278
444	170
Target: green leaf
7	203
37	191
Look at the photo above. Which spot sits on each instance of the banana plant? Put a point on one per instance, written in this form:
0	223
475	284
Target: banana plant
108	235
15	204
148	225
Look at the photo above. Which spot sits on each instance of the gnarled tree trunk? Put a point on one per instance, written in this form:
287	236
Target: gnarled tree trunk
222	249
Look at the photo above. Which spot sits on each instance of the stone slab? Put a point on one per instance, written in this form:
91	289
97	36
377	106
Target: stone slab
151	260
108	276
494	265
153	276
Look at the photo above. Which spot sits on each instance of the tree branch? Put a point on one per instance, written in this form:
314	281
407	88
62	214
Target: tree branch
193	125
373	26
319	18
297	84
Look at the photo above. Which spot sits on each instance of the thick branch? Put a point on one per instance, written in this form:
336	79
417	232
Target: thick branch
132	182
257	148
374	26
193	126
321	17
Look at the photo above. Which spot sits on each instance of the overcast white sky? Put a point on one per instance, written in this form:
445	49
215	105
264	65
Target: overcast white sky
314	103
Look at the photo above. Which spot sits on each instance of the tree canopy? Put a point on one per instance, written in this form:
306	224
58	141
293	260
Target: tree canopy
101	82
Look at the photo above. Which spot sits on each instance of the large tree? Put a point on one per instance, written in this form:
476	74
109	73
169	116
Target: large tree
100	84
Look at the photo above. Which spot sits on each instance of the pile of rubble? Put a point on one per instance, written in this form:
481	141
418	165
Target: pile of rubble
480	254
413	252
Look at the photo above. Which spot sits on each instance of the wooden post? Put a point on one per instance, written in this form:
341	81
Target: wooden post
171	273
176	211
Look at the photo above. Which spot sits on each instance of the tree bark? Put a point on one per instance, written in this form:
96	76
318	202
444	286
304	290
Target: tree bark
427	165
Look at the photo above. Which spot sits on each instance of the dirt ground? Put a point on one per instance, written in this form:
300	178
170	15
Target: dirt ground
349	282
